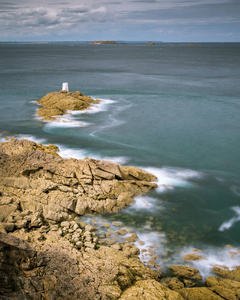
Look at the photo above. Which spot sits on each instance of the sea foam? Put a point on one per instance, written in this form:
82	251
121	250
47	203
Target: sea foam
169	177
65	152
219	257
228	224
95	108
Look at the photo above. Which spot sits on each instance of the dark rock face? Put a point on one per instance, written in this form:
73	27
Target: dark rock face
65	273
16	256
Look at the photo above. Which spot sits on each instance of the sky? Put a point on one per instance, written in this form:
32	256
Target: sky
120	20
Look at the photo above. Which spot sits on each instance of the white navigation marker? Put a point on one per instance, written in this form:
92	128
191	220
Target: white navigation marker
65	87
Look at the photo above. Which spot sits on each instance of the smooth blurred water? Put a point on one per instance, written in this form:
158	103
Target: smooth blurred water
175	111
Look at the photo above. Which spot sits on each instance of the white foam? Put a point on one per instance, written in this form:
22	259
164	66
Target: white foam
112	120
65	152
150	243
23	136
143	202
168	177
66	121
228	224
236	190
94	108
220	257
153	242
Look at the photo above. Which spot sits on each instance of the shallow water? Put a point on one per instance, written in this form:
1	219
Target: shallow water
173	110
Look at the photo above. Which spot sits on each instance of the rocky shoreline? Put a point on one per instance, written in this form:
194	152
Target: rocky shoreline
46	253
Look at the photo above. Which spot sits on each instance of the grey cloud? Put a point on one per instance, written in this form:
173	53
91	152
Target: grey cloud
77	10
145	1
188	13
111	3
8	6
52	18
7	3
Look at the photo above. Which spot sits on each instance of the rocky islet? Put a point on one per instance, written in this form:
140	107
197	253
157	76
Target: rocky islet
57	104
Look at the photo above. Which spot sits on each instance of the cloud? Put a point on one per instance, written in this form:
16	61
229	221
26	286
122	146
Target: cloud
49	18
189	13
127	17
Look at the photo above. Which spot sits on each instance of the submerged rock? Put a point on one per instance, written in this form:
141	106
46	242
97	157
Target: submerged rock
192	257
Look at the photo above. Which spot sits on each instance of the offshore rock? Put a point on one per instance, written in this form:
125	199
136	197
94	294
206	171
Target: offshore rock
58	103
37	180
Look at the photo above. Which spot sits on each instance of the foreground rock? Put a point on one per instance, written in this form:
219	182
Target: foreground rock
37	186
47	255
58	103
62	272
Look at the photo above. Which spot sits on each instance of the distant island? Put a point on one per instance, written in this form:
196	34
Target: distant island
103	42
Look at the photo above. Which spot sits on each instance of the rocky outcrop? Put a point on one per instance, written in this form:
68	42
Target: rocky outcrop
58	103
44	254
36	183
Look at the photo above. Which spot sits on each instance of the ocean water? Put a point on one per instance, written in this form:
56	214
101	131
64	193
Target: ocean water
171	109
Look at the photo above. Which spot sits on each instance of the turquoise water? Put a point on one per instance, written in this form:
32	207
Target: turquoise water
173	110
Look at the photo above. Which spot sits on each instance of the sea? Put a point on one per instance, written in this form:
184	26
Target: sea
172	109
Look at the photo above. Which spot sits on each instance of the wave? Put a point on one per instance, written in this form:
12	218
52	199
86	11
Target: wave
169	177
69	120
65	152
65	121
23	136
236	190
220	257
143	203
103	105
113	121
228	224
